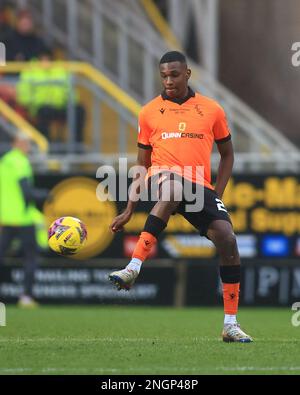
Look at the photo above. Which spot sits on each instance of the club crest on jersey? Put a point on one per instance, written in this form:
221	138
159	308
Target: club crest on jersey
198	110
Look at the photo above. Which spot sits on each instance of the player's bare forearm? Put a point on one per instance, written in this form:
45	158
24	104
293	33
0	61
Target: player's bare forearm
224	173
225	167
143	162
131	205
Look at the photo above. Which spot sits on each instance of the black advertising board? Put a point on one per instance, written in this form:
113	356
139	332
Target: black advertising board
196	284
84	284
263	283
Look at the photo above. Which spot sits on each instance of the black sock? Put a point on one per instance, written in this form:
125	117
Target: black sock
154	225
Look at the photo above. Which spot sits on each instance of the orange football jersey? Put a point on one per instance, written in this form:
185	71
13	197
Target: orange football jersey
181	136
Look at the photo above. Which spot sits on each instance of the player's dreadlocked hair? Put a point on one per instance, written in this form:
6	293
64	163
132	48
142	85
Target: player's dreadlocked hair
173	56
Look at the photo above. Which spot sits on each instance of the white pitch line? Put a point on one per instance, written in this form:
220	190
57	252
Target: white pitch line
151	370
54	370
259	368
100	339
138	339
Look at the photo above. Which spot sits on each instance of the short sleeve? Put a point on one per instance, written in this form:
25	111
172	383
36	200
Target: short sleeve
144	132
221	129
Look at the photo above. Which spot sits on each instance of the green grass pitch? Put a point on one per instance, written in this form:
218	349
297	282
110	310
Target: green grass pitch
145	340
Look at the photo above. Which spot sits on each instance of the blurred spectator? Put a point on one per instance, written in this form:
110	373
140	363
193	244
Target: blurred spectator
24	44
6	29
45	90
7	92
17	211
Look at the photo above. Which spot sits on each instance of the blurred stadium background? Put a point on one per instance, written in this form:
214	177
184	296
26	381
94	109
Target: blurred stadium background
77	73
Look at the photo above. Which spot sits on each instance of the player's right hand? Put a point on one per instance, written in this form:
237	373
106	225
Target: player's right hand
118	223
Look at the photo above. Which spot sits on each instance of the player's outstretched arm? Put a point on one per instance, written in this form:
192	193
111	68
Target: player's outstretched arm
225	166
144	160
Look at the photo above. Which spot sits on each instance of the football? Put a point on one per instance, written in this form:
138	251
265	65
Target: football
67	235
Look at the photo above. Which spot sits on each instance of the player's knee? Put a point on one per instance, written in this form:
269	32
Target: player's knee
231	239
227	242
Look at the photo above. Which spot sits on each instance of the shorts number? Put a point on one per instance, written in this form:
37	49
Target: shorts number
220	205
